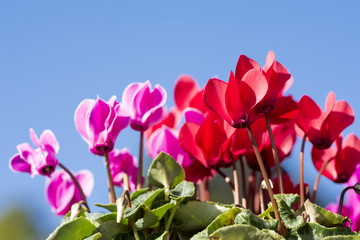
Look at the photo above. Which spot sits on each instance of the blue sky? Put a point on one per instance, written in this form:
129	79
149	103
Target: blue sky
55	54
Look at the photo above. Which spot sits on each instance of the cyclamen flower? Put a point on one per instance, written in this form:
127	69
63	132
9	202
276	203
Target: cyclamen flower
62	193
99	123
234	101
345	158
143	104
41	160
121	162
322	128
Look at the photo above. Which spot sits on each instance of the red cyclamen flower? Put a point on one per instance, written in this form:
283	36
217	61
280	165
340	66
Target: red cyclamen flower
143	104
345	158
62	193
99	123
234	101
37	161
322	128
276	75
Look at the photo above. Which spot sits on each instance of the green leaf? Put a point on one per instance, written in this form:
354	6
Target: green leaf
314	231
291	219
324	217
182	190
94	236
342	238
273	234
290	199
153	217
200	235
165	172
138	192
248	217
146	198
222	220
99	218
110	229
196	215
240	232
76	229
111	206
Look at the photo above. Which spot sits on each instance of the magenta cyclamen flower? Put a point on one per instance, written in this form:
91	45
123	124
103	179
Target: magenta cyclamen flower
143	104
100	122
122	162
62	193
41	160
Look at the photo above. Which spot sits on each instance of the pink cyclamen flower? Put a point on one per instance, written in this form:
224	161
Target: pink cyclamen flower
62	193
100	122
121	162
41	160
143	104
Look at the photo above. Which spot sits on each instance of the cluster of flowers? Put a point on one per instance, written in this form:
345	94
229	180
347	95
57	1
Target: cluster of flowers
245	119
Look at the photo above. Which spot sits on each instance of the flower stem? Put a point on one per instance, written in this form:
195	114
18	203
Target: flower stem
342	198
112	196
266	178
77	186
140	168
236	185
136	235
302	188
204	190
275	154
243	183
318	179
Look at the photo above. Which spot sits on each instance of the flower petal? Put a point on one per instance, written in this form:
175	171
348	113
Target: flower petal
214	98
81	117
185	89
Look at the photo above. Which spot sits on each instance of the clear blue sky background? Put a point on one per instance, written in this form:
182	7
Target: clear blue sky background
54	54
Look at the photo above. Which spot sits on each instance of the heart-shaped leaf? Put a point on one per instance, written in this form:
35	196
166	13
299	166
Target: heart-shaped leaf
165	172
76	229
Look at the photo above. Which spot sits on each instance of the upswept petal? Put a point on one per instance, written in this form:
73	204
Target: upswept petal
86	181
214	98
18	164
60	192
129	94
185	89
97	117
329	102
253	88
141	100
234	105
209	137
270	58
49	140
198	102
351	157
187	141
164	139
336	121
310	115
150	118
121	121
81	117
244	65
193	115
286	109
